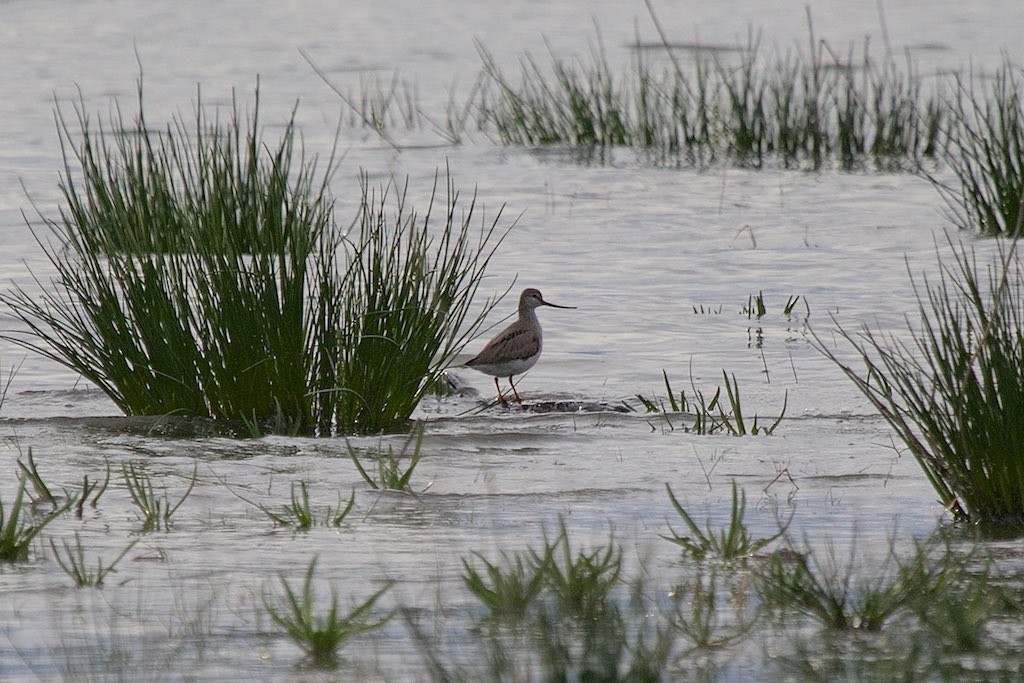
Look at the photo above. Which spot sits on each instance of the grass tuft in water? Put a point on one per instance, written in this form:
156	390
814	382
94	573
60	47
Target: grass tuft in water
733	542
299	513
16	534
580	581
711	416
755	307
321	635
391	473
507	590
74	564
156	512
94	489
30	473
955	395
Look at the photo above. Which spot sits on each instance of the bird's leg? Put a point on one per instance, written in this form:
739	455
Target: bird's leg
501	396
513	385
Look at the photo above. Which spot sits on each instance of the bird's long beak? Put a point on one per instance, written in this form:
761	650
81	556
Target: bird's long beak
555	305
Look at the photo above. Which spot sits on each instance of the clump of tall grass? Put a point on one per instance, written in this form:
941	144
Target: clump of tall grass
582	105
200	271
986	153
955	394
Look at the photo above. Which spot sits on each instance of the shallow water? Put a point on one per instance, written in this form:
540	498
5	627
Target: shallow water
636	249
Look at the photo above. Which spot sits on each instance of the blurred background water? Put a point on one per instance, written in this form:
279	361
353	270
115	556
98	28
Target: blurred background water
658	261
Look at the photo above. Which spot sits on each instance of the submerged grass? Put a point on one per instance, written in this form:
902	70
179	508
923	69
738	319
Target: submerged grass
200	272
955	395
841	595
556	613
533	628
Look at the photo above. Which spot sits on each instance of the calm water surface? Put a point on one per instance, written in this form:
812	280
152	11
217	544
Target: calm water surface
658	262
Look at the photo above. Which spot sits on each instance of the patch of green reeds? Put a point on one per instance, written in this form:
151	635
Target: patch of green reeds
955	393
986	153
716	415
753	109
579	103
320	635
200	272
